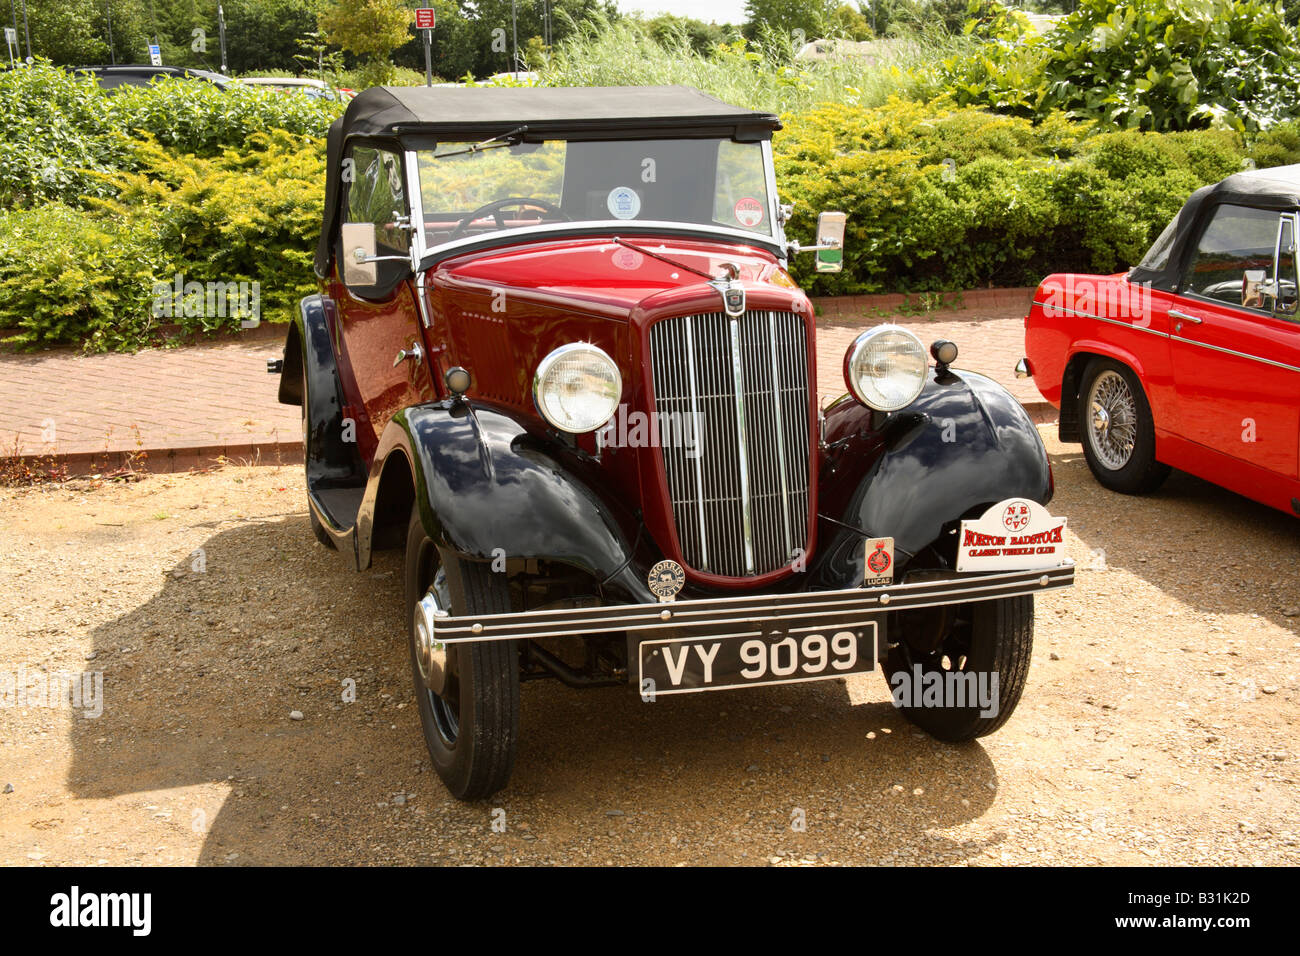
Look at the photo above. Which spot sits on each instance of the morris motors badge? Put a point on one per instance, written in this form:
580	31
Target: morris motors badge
665	579
879	569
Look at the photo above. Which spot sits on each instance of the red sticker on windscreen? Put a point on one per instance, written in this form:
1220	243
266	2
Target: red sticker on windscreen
749	212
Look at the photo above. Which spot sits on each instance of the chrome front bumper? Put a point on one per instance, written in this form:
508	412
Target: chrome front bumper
752	614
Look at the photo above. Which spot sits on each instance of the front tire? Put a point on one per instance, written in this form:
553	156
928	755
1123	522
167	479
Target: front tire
1119	433
980	641
471	728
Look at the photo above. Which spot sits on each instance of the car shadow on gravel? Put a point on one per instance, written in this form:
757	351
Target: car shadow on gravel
263	699
1199	543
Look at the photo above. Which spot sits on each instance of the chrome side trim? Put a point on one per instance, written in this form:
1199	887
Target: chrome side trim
780	433
749	614
699	438
1102	318
1253	358
742	445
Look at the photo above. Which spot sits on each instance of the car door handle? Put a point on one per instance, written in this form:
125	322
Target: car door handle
1184	317
414	352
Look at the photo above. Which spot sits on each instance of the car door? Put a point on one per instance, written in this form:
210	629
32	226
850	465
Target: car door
379	320
1235	340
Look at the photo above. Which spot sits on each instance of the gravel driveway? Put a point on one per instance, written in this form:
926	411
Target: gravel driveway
1159	724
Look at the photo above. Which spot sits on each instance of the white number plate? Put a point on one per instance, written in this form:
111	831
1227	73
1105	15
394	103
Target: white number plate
689	665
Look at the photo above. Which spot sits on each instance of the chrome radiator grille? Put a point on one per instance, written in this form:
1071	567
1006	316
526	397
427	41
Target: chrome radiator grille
740	492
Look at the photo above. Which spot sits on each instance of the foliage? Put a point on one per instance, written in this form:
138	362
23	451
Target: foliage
60	128
1145	64
761	74
940	197
69	276
247	215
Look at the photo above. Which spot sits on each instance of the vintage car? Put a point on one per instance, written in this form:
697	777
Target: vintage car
558	358
1191	359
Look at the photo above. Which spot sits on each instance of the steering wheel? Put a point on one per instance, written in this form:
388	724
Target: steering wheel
497	205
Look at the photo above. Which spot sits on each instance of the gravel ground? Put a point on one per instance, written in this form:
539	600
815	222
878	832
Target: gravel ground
1158	725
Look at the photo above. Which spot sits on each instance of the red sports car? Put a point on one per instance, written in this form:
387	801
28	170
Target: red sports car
1191	359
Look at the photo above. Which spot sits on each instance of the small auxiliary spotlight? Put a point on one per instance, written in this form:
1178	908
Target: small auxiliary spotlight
944	353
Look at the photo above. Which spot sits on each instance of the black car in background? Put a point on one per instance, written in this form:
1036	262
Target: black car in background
137	74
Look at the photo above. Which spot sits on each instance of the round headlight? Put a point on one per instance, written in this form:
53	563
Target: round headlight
577	388
886	367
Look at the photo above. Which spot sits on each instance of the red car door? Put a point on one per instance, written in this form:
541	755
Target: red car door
380	323
1236	342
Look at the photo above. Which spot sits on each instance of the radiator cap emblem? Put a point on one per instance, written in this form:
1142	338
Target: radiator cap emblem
665	580
733	296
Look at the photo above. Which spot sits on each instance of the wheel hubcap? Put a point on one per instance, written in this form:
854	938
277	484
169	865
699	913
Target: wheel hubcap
1112	430
430	653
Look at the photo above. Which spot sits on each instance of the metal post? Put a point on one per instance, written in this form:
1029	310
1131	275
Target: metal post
221	31
108	12
27	32
514	32
428	57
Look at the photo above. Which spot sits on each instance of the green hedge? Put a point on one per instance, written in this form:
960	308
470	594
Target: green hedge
939	197
942	197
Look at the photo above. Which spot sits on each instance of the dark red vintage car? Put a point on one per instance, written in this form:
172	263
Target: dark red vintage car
1191	359
557	357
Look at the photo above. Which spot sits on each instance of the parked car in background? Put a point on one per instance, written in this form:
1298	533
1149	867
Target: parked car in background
1192	358
138	74
557	356
317	89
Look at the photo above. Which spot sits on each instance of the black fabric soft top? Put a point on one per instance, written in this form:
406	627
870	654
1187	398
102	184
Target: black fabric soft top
1277	187
475	113
605	109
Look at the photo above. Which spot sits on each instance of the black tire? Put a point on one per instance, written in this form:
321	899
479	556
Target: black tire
317	528
1119	442
472	730
985	638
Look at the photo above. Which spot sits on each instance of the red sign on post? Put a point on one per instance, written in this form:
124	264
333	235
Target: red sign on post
424	18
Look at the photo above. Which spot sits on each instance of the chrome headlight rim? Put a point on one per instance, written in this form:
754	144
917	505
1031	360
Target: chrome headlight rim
544	368
859	347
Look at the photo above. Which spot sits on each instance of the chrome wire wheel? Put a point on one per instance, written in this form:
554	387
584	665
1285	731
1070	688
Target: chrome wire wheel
1112	420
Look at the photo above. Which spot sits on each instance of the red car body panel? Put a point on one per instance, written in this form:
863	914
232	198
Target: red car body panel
1224	393
588	289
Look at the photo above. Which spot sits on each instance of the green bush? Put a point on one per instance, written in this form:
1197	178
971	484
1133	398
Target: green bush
943	198
61	130
1144	64
249	215
69	276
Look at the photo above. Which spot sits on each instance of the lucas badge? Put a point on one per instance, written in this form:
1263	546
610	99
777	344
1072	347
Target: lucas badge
878	570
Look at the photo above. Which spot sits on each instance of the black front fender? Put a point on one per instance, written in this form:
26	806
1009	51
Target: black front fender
487	486
964	444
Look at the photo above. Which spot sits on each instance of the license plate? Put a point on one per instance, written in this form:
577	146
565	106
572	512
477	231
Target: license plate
692	664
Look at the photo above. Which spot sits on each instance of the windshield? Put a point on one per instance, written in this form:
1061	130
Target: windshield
467	193
1157	256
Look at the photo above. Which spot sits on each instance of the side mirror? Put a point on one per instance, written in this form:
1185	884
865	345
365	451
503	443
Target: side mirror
830	241
360	254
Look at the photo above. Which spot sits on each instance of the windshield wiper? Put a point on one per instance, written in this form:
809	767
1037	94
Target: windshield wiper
512	138
671	262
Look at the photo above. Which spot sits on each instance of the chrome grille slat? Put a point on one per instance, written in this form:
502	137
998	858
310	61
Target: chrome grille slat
741	504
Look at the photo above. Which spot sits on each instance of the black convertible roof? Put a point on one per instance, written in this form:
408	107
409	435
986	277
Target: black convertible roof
603	109
477	113
1277	187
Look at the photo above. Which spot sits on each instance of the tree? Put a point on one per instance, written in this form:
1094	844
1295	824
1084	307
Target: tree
808	17
848	21
371	29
